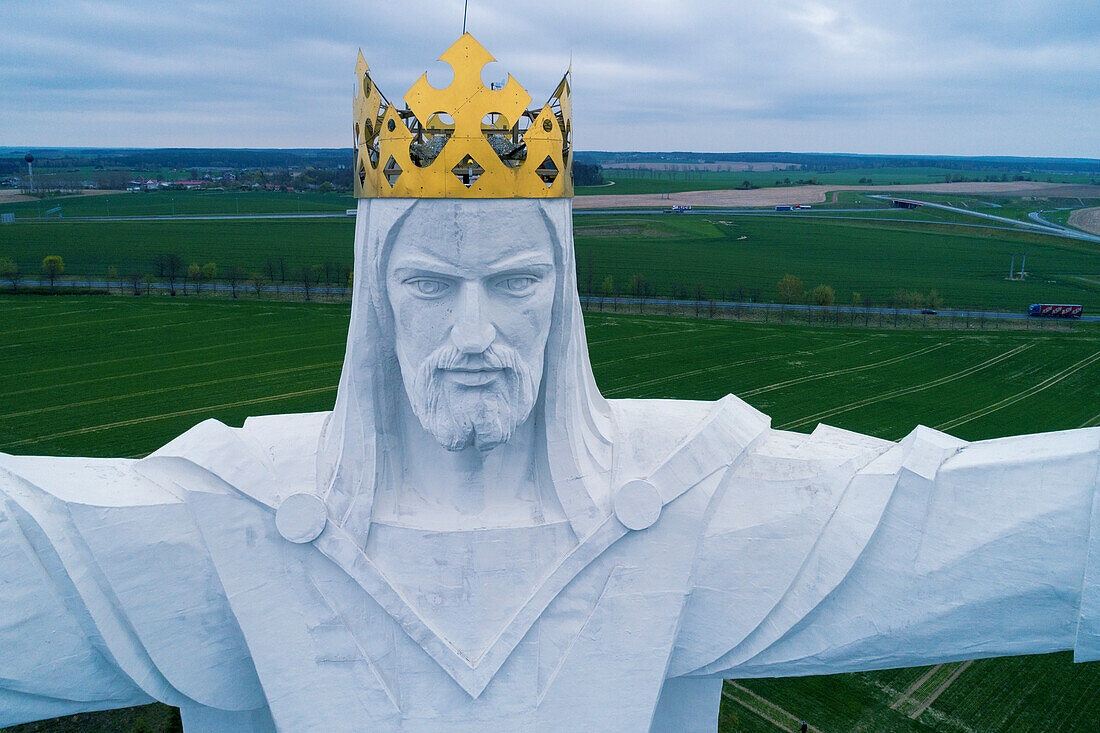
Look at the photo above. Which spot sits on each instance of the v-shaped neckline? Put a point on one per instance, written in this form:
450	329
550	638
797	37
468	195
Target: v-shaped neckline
473	675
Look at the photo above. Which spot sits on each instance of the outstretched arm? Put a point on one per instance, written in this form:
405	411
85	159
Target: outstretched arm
107	596
937	550
52	659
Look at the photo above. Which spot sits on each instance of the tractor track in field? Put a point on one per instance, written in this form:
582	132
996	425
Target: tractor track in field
55	326
666	352
911	689
643	336
906	390
39	372
166	416
1091	421
770	712
940	690
1022	395
163	390
720	367
162	370
845	370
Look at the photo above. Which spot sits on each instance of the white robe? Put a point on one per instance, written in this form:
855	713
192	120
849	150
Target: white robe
774	554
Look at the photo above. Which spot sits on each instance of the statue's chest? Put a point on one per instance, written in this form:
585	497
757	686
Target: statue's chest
339	646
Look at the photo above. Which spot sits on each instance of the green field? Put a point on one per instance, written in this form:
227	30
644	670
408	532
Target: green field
181	203
90	248
966	265
628	181
105	376
731	256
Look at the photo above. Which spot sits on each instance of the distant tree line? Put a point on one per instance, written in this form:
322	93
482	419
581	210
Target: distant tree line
587	174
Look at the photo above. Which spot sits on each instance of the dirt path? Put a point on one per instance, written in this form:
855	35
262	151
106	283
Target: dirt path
817	194
1087	219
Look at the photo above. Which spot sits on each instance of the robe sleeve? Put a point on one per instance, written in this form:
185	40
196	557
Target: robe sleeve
53	661
108	597
938	550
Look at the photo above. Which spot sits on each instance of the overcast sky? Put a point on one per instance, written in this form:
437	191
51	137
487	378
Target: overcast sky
951	77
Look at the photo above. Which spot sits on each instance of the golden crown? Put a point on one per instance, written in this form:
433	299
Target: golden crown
464	141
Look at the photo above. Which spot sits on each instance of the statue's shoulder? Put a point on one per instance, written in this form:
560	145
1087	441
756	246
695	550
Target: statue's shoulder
108	549
106	482
782	455
651	432
269	457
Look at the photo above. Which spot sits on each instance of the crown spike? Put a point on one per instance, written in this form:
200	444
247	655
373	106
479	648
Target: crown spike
465	141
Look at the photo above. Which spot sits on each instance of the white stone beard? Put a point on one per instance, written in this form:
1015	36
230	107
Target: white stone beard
459	416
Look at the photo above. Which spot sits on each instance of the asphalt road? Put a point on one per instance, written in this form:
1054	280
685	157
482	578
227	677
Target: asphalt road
654	302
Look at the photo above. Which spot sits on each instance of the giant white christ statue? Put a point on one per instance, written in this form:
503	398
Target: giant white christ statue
474	539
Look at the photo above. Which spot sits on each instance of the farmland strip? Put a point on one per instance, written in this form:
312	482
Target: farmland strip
162	390
214	347
720	367
914	687
846	370
53	326
770	710
940	690
907	390
643	336
147	372
1030	391
167	415
666	352
1090	422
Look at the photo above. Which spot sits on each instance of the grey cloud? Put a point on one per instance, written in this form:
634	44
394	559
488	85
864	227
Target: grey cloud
981	77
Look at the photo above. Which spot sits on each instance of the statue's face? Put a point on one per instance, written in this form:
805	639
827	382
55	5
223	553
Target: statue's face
472	296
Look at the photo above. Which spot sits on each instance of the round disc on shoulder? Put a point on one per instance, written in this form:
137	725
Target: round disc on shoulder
301	517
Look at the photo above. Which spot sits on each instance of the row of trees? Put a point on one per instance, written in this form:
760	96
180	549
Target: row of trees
53	267
169	268
791	290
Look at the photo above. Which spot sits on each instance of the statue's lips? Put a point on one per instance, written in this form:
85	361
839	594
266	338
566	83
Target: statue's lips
472	376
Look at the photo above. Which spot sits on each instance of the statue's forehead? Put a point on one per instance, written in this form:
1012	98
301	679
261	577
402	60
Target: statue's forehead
471	238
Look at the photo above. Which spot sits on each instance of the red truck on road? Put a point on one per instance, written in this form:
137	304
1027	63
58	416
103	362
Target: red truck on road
1055	310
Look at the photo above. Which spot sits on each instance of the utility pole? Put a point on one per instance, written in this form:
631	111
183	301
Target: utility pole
1023	267
1012	268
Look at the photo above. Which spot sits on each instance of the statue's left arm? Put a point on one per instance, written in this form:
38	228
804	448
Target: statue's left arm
933	550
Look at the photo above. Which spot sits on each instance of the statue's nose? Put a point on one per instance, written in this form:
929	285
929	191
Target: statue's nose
473	331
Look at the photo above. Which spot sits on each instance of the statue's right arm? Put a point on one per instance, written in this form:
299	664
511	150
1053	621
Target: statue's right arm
108	598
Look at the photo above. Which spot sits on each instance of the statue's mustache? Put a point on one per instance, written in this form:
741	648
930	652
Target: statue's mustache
450	358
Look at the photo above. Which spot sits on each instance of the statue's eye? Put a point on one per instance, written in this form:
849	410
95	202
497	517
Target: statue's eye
428	286
518	284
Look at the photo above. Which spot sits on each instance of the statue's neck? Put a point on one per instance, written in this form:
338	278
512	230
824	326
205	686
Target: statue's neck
429	487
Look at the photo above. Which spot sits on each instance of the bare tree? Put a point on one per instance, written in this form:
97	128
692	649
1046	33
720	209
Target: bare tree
258	282
136	278
171	269
305	276
234	275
